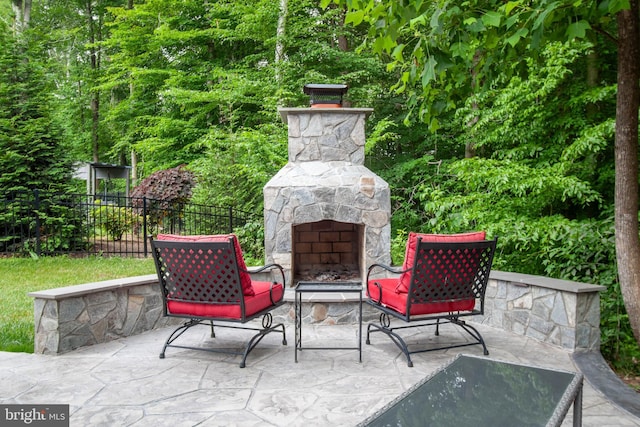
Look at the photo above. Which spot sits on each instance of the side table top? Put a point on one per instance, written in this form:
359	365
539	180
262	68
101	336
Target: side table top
329	287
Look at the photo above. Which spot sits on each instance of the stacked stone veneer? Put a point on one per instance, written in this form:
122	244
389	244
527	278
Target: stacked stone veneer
562	313
325	179
77	316
559	312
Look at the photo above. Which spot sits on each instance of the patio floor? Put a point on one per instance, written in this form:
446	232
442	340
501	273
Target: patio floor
124	383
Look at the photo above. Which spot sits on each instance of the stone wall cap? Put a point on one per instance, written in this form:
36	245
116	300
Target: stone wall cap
546	282
284	112
88	288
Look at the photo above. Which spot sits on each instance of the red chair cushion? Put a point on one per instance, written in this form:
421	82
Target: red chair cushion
412	243
398	301
252	304
245	278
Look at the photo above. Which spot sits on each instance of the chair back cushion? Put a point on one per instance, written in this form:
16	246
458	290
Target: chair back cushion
245	278
412	243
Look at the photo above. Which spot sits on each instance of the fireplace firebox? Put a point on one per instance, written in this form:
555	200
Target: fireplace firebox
326	251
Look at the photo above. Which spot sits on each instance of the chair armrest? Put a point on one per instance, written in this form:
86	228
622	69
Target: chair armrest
377	285
269	267
271	293
394	270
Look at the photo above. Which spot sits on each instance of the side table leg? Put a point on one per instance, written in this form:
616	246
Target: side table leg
298	324
360	328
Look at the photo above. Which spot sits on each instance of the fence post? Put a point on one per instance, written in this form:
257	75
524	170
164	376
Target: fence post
230	220
36	211
144	224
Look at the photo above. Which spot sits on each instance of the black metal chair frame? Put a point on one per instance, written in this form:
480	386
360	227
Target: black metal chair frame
432	259
226	291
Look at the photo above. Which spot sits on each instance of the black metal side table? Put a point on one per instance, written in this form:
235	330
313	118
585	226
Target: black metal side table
325	287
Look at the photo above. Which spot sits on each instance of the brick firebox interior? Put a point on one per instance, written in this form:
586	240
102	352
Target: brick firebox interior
327	250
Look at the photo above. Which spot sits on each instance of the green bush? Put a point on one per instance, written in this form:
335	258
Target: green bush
115	220
251	238
398	247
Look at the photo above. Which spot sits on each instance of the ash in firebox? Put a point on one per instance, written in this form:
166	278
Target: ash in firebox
328	275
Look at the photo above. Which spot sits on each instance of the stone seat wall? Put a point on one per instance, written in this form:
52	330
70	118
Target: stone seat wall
562	313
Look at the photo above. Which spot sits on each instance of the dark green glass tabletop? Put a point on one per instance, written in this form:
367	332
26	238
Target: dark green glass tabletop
475	391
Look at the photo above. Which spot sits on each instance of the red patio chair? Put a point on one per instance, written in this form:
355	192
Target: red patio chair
205	279
443	278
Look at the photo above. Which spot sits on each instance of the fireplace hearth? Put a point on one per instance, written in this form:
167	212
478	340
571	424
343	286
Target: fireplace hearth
327	216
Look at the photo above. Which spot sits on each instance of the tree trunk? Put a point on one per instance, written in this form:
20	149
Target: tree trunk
22	12
95	119
593	75
470	146
626	163
280	33
134	167
95	95
27	12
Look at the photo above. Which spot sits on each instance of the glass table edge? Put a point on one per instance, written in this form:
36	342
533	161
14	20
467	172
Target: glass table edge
556	419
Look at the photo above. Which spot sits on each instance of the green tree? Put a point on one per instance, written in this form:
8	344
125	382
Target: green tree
235	167
32	155
196	84
75	29
446	52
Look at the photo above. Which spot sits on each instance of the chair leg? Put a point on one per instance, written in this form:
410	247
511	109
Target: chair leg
253	342
473	332
177	332
385	327
267	327
397	340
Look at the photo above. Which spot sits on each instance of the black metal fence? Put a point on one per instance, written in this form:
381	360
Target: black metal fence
79	224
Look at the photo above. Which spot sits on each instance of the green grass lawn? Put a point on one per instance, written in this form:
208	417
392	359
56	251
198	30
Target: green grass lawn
19	276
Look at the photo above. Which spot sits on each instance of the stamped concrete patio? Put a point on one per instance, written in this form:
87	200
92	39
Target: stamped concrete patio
124	383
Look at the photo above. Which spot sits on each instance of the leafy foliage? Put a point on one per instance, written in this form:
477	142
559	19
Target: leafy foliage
31	152
165	193
168	186
443	52
251	236
235	167
115	220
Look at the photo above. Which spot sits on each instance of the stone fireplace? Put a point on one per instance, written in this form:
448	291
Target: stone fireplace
327	216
